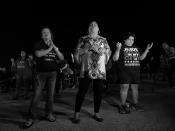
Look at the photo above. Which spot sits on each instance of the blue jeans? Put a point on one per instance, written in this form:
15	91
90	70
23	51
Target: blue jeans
47	80
23	79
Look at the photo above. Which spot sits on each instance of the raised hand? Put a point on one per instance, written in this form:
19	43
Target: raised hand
118	45
87	47
53	45
149	46
12	60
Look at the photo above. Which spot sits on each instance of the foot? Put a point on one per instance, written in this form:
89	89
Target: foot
28	123
76	118
137	107
124	109
51	118
97	117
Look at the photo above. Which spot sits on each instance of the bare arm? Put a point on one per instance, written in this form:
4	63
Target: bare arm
79	51
59	54
57	51
107	51
143	56
116	55
43	52
117	52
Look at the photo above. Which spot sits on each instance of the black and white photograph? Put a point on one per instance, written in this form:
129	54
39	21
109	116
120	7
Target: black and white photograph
88	72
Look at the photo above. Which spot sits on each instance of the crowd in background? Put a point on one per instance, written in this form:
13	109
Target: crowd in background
93	64
19	77
156	68
162	67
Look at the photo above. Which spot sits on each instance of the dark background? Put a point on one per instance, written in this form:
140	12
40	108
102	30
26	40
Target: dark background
68	22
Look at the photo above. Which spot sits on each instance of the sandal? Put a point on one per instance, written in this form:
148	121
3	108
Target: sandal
124	109
28	123
75	120
51	118
97	118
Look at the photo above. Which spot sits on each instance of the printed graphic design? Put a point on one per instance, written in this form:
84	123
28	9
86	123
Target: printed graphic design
131	57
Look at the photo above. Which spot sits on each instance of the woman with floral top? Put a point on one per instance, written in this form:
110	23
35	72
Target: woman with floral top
92	54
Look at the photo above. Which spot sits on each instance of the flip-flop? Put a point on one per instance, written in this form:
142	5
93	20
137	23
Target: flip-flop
53	119
99	119
75	120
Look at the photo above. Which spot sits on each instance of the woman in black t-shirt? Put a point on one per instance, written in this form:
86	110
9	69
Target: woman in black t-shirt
128	58
46	52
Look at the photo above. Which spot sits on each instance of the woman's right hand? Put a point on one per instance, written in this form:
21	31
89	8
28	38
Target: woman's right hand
118	45
86	48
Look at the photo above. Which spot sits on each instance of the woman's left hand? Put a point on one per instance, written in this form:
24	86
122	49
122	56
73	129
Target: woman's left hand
102	50
149	46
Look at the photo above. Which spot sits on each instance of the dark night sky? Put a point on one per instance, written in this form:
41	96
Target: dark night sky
21	33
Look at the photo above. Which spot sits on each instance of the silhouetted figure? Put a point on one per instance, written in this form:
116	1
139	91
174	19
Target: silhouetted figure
23	75
169	58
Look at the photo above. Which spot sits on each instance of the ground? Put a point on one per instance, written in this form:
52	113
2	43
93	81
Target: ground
159	114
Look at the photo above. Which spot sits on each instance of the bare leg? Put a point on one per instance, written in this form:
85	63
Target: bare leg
135	93
124	92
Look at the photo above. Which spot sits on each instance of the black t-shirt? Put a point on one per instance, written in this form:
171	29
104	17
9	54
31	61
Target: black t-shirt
45	63
129	58
22	66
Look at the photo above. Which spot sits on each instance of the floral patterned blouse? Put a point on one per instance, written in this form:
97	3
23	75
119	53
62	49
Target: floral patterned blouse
92	56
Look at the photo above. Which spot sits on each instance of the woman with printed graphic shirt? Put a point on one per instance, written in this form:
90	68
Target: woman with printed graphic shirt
46	52
92	55
128	58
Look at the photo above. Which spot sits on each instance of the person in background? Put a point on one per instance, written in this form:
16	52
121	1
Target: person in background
12	74
3	84
22	71
169	58
32	64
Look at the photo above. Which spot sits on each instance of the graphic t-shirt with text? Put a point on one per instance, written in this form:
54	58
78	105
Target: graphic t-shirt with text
129	58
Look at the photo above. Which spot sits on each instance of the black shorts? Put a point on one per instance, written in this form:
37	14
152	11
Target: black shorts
129	76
